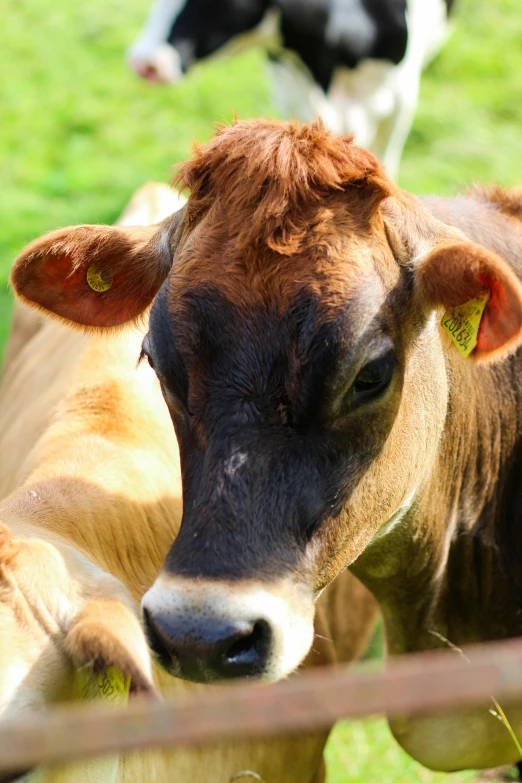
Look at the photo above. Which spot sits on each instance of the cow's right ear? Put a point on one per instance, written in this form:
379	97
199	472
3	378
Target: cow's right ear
477	288
460	274
95	276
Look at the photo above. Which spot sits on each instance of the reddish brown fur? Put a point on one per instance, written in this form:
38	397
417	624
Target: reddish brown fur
273	179
276	209
508	202
71	256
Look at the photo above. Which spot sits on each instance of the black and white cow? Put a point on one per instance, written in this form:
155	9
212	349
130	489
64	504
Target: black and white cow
355	63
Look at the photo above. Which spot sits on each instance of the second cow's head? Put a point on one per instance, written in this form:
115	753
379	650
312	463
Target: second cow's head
294	332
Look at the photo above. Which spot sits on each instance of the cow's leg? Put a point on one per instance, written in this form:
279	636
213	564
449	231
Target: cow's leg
365	103
392	131
298	96
427	31
34	669
376	102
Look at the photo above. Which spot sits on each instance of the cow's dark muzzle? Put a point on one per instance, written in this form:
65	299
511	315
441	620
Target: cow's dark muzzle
211	649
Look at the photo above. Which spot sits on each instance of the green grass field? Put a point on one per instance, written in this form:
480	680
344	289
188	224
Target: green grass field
78	133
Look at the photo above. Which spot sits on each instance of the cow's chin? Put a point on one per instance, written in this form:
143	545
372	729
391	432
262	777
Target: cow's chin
206	631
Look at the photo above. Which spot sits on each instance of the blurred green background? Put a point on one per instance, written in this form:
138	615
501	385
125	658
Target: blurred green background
79	133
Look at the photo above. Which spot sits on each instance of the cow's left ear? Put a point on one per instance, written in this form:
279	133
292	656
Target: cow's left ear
456	272
95	276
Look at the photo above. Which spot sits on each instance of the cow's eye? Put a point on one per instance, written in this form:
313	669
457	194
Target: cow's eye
371	381
145	353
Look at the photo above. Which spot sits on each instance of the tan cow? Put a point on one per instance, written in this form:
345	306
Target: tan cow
304	328
92	497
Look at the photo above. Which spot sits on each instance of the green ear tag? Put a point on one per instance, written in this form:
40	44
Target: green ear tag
109	684
462	323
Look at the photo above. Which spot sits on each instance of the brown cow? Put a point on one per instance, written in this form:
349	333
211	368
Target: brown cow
324	417
91	492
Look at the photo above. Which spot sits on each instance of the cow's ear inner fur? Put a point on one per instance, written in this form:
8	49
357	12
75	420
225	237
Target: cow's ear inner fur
457	272
94	276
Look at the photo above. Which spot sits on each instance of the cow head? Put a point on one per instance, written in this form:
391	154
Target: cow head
294	332
177	34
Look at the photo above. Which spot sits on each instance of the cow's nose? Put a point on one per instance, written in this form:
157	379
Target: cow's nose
204	629
148	71
161	64
209	649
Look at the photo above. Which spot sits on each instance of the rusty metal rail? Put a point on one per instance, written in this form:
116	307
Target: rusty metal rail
316	699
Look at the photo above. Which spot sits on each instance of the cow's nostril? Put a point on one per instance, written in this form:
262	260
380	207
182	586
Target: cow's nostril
248	654
147	70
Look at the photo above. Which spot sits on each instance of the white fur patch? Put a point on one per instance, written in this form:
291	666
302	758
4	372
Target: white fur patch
234	462
158	25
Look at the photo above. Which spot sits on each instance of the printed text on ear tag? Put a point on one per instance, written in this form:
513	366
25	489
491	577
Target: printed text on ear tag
462	323
98	278
108	684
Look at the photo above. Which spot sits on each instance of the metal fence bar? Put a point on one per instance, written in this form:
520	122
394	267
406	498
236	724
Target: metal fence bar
316	699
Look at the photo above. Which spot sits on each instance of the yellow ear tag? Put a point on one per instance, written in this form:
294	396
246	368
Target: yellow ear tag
463	322
108	684
99	278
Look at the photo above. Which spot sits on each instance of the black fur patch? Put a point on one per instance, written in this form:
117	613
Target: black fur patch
323	35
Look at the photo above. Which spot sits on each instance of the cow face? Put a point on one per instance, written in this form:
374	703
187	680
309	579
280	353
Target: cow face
178	33
282	393
295	340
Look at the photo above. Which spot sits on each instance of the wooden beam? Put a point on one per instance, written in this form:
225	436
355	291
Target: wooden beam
315	699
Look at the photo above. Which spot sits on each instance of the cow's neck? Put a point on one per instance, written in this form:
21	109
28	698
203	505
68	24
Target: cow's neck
438	573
